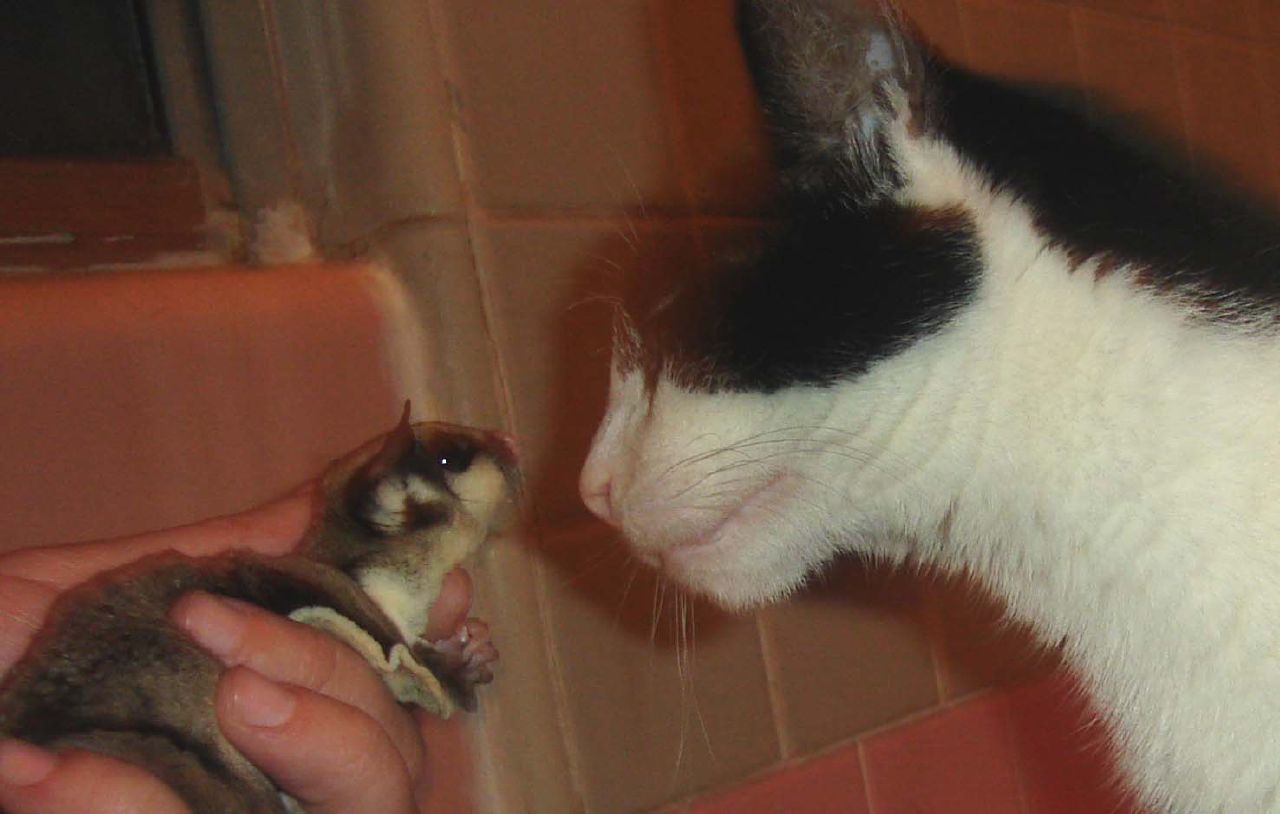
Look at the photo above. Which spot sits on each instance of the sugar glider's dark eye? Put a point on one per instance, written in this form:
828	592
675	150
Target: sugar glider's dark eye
455	457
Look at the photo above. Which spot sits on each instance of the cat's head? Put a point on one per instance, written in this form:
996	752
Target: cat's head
728	440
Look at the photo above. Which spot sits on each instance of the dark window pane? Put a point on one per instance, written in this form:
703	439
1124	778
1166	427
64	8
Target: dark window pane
76	80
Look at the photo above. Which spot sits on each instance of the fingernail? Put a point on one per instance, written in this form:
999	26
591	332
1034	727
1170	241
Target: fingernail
216	624
22	764
259	702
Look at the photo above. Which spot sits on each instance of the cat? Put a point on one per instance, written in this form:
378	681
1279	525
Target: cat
111	673
995	337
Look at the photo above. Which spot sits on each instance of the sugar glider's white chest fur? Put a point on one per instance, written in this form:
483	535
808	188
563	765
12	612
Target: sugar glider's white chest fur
997	338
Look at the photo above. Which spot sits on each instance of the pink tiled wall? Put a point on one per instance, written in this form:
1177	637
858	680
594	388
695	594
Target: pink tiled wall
145	399
1036	749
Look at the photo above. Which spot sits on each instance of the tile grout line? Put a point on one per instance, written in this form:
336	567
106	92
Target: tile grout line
1270	106
857	742
913	718
466	218
677	136
866	776
280	93
966	30
938	658
471	212
1174	37
539	215
1015	757
777	701
1077	46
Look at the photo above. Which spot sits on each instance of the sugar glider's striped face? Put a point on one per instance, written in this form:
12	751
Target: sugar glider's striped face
449	475
423	502
432	476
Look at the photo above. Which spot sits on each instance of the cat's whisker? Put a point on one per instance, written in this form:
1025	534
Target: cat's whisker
802	431
697	707
659	595
763	460
611	300
638	197
594	564
803	444
681	681
626	590
611	263
722	449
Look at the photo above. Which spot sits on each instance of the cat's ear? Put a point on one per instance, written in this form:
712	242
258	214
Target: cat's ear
834	76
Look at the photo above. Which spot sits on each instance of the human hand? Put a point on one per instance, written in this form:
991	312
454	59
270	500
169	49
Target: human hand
303	707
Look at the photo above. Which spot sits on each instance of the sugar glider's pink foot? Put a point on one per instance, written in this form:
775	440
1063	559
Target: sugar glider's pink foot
478	652
465	659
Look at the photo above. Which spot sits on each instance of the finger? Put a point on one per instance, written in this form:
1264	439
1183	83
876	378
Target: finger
271	529
37	781
331	756
451	606
243	635
23	605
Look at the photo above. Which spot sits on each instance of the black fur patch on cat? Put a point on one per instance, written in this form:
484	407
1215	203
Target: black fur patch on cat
1096	192
813	312
836	290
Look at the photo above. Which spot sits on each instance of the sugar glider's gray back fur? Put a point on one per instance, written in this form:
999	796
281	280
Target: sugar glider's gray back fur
115	676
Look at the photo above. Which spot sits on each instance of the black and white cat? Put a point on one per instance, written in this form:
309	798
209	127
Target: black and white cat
995	338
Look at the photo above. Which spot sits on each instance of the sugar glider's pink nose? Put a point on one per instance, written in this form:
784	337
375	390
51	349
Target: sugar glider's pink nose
508	449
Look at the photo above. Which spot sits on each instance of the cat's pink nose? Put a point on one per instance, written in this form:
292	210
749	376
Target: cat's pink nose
596	488
601	504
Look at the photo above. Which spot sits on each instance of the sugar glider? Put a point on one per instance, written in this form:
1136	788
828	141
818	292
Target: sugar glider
109	672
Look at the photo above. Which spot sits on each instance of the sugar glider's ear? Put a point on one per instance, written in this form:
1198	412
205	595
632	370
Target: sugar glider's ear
834	76
395	446
392	456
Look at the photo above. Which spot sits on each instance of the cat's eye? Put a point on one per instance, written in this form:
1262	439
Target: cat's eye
455	458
